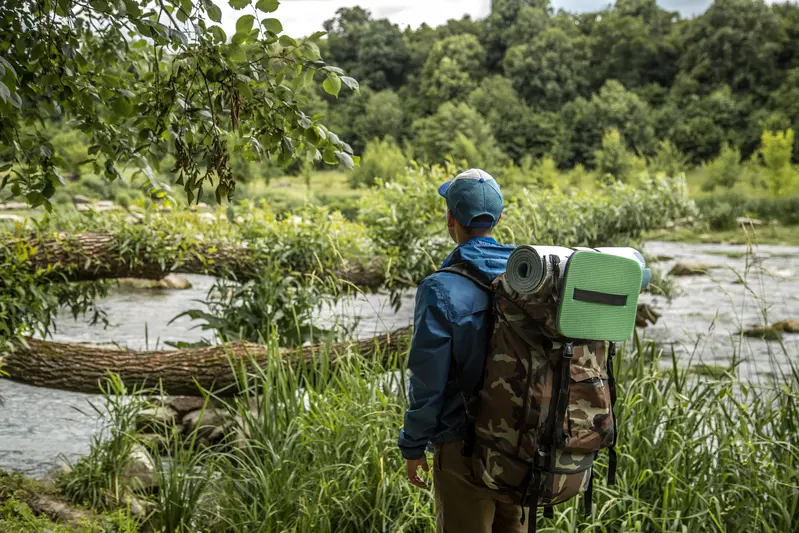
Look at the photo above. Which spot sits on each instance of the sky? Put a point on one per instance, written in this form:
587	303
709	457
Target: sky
303	17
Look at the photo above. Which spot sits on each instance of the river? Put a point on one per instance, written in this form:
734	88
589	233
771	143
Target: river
38	427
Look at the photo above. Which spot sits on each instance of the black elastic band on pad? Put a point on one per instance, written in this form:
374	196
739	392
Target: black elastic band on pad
618	300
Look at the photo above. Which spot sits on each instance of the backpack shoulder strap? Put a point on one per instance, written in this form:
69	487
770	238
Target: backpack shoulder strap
462	270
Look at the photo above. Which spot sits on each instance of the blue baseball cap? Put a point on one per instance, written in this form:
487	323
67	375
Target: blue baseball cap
473	194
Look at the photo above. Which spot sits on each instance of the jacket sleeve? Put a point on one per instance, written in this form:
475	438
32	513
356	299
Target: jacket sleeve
429	363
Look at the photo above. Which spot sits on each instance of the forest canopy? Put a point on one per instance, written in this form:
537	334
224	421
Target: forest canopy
162	88
547	83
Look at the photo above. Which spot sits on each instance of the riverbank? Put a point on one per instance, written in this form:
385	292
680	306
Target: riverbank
771	235
321	457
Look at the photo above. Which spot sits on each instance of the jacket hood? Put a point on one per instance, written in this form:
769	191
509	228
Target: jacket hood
484	256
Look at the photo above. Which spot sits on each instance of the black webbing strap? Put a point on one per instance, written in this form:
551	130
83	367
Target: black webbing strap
604	298
612	459
589	496
549	512
562	401
532	521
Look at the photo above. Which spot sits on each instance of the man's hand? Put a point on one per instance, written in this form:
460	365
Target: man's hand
412	466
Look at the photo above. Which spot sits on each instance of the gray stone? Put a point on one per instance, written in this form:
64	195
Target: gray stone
686	268
12	218
142	468
80	199
185	404
207	421
746	221
156	417
171	281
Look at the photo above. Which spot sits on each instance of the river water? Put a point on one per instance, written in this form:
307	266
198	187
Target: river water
39	427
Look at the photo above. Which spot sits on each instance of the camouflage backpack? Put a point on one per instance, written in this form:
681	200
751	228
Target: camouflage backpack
544	408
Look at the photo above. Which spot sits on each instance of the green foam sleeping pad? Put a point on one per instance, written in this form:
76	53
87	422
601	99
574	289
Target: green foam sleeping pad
599	298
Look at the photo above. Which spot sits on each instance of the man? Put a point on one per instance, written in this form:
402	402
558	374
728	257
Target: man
449	348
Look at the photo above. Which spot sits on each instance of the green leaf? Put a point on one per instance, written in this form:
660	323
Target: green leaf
345	160
244	24
332	84
239	4
245	90
268	6
273	25
5	94
122	107
238	54
214	13
218	34
287	41
352	83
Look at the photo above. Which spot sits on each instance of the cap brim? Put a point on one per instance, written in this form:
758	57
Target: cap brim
444	188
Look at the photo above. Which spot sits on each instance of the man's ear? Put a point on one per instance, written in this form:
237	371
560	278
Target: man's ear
450	218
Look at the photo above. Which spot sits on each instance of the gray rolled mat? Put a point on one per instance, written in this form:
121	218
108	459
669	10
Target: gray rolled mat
525	270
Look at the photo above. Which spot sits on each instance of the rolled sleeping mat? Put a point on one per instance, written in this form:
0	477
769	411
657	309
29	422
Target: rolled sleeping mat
529	271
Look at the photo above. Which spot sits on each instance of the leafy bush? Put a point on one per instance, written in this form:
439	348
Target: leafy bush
776	151
99	479
382	160
668	159
724	171
272	303
615	162
722	210
546	173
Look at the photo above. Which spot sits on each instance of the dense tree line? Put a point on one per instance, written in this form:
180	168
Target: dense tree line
530	82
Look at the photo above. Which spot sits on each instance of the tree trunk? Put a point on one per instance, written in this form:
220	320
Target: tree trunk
82	367
96	256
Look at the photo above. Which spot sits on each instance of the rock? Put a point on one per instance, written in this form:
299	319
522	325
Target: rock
50	479
14	206
80	199
172	281
646	315
768	333
135	506
786	326
56	509
156	418
746	221
686	268
184	405
176	282
12	218
208	421
142	468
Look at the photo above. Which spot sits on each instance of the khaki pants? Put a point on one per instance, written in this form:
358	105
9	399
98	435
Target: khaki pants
462	506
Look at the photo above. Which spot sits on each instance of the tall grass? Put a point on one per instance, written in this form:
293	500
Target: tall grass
696	455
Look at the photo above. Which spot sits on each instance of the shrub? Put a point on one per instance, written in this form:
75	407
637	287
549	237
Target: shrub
546	173
668	160
382	160
615	162
724	171
776	151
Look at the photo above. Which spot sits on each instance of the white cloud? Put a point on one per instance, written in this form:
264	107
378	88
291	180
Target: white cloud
303	17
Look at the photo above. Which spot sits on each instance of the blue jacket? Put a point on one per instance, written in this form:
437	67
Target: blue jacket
451	321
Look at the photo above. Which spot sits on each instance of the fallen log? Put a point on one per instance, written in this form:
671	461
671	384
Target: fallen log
83	367
95	256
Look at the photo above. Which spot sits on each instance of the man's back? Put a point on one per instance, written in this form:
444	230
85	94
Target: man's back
451	325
